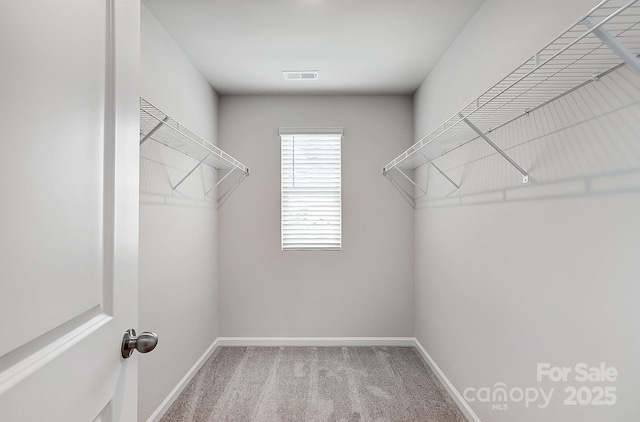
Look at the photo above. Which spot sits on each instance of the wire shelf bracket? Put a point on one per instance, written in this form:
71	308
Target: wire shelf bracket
525	175
605	38
430	162
157	126
152	131
190	173
617	47
409	198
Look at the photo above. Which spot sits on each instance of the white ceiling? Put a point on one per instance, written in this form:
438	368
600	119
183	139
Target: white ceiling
358	46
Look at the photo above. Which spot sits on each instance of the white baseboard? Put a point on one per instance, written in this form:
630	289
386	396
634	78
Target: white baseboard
453	392
316	341
177	390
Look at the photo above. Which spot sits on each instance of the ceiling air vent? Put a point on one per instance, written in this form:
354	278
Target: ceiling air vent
300	75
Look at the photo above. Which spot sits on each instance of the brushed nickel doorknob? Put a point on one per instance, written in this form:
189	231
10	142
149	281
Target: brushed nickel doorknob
144	343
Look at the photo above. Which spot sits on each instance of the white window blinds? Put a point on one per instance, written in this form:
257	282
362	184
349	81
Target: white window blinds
311	191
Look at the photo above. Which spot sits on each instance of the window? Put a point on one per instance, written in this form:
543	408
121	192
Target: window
311	189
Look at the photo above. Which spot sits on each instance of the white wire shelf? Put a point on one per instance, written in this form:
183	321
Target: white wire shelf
157	126
599	42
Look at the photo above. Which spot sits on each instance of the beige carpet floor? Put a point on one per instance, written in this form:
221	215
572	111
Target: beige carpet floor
315	384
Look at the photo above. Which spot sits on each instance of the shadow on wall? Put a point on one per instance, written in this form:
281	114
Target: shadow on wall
162	168
168	176
584	143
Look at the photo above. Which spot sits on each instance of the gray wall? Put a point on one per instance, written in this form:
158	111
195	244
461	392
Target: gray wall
178	232
366	289
509	276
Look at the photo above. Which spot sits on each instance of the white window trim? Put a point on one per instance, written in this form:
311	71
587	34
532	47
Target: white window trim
311	131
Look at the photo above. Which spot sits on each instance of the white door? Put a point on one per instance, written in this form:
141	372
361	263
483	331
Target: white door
68	209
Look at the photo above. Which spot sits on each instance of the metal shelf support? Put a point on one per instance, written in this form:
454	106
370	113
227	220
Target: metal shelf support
616	46
222	179
525	175
404	194
152	131
411	181
190	172
231	189
440	171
